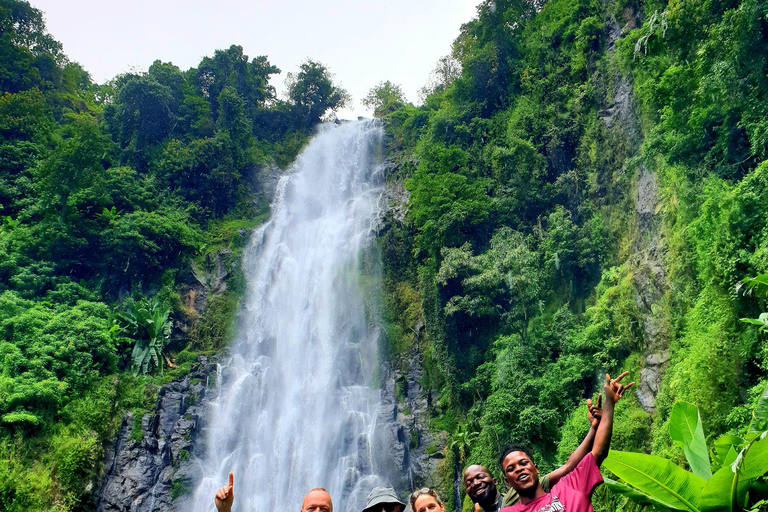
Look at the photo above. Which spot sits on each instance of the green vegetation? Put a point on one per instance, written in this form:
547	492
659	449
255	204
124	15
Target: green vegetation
739	465
588	189
588	186
115	202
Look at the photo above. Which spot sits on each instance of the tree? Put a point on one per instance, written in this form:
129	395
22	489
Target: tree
385	98
231	68
313	93
504	281
144	113
74	164
447	69
29	56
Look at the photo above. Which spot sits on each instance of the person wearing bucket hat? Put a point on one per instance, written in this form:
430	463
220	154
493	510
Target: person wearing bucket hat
383	499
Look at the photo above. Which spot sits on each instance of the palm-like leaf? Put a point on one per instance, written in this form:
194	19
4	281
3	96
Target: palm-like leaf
636	495
719	493
147	321
658	478
760	415
686	430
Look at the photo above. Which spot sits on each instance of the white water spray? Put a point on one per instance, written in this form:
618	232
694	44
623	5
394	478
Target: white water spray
295	410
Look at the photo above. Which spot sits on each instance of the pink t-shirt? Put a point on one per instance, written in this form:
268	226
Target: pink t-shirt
571	494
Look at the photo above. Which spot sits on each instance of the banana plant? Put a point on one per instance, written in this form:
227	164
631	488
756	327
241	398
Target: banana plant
147	322
732	480
758	286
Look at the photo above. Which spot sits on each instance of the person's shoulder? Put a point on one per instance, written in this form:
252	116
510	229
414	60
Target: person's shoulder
511	498
545	484
588	462
585	476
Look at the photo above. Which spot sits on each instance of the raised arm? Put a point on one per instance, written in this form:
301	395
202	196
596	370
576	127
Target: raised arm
613	390
594	413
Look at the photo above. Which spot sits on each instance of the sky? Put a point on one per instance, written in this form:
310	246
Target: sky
361	42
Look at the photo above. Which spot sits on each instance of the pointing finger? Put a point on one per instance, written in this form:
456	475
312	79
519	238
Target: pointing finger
600	400
617	379
231	480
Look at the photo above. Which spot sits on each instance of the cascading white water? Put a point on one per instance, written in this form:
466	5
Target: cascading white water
295	410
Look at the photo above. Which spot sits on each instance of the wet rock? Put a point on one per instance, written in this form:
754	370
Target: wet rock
393	202
408	452
363	465
267	177
143	470
349	359
650	379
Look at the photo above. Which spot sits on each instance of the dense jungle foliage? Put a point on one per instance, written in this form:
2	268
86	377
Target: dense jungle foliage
111	197
588	184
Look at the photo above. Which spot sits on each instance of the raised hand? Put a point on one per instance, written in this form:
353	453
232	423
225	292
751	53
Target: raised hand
595	412
225	496
613	389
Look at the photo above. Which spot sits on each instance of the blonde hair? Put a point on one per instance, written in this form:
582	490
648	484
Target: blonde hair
421	492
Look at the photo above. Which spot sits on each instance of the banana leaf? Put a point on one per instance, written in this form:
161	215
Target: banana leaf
636	495
730	457
760	416
726	447
685	428
718	493
658	478
755	459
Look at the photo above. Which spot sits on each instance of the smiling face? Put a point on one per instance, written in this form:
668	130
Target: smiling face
317	500
427	503
521	473
479	484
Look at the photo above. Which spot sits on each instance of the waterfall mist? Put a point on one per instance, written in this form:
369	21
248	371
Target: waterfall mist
295	409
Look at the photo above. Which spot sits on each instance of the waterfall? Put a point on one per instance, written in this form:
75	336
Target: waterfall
299	394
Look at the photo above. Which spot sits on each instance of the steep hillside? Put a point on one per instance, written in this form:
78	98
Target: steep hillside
123	210
587	187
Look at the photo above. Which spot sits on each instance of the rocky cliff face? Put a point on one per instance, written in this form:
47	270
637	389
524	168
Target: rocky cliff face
149	463
647	263
408	452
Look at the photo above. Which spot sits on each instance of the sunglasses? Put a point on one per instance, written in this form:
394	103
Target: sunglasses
420	492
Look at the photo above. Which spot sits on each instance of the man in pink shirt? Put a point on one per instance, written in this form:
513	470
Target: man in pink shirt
573	493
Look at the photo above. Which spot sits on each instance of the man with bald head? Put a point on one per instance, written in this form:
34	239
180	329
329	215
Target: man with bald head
316	500
483	490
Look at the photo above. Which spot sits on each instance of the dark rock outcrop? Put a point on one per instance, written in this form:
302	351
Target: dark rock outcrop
409	453
145	471
267	176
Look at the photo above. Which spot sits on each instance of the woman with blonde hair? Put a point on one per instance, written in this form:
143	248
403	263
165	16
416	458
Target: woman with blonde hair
426	500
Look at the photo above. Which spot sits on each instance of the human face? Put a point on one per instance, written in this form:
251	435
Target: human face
479	484
387	507
520	472
317	501
427	503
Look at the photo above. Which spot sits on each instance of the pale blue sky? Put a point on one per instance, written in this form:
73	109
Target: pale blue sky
362	42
